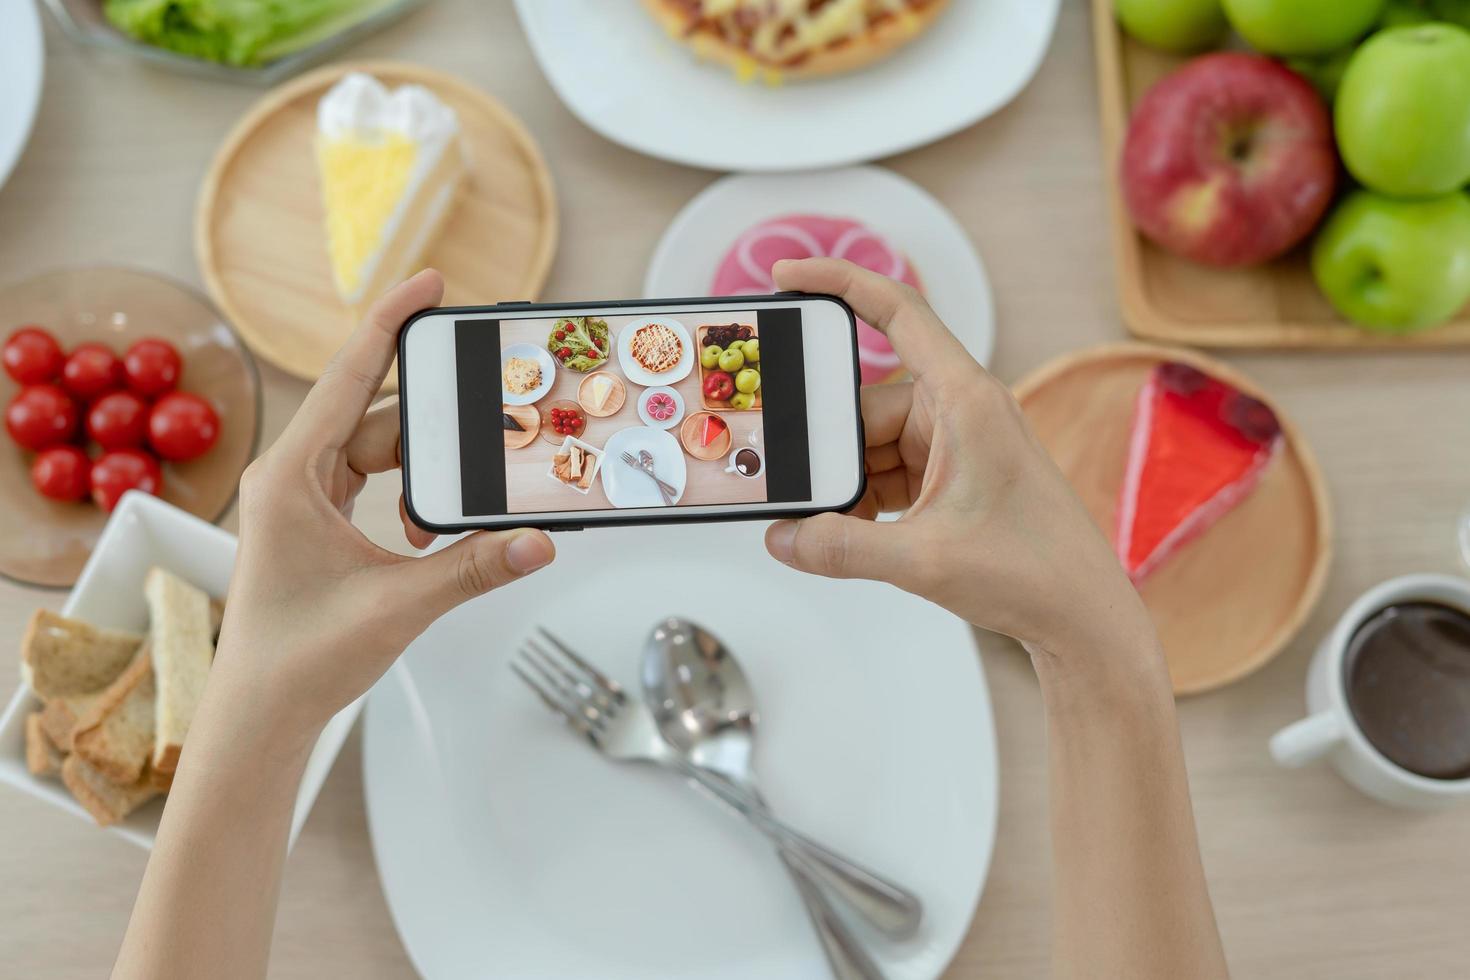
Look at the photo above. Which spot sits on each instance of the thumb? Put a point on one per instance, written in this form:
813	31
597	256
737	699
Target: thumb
841	546
476	564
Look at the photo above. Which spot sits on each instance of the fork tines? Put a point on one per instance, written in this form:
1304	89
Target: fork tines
567	684
632	461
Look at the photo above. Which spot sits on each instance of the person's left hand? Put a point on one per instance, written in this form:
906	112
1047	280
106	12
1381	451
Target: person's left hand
317	612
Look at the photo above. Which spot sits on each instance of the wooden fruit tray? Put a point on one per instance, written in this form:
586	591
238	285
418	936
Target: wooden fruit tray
710	406
1167	298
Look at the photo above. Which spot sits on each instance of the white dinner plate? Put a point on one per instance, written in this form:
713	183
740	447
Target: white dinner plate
635	371
953	277
619	73
508	848
627	487
21	58
536	353
669	422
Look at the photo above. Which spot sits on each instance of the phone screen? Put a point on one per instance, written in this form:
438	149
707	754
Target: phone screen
604	412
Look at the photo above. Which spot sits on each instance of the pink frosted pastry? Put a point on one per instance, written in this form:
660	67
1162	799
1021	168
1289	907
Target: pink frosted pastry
746	269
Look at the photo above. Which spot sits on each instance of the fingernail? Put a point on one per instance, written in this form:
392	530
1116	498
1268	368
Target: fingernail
781	539
528	553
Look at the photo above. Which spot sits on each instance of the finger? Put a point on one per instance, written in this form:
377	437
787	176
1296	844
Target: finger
336	403
919	338
374	447
890	491
885	411
881	459
416	536
473	566
840	546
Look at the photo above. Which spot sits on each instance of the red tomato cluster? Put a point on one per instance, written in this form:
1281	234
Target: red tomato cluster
567	421
126	405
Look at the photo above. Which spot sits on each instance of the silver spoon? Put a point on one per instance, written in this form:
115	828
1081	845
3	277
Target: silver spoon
704	707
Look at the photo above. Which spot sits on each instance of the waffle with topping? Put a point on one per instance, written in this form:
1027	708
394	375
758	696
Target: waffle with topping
656	348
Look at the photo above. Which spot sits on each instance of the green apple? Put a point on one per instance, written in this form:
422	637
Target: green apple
748	381
1182	26
736	345
752	350
731	360
1293	28
1395	265
742	400
710	356
1402	112
1324	73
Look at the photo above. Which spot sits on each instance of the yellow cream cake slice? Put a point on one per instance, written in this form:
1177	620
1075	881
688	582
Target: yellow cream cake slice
390	163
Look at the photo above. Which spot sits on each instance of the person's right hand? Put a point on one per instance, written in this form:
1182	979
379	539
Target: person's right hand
990	528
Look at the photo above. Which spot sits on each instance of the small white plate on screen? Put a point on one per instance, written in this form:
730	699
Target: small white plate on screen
672	420
528	352
636	372
22	57
619	73
953	277
627	487
508	848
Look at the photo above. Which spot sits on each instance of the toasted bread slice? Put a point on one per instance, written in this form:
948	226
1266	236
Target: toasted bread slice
60	716
43	758
182	651
65	657
105	800
116	735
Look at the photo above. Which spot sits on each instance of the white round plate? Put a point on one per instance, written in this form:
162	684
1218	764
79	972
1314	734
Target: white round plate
508	848
21	58
548	373
953	277
627	487
668	423
977	56
636	373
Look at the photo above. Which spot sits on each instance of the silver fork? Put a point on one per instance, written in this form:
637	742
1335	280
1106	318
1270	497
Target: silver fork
623	729
642	466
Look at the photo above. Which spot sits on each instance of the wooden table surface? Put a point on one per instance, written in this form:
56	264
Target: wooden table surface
1309	878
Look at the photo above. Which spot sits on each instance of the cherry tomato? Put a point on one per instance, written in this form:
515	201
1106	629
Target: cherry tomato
121	470
91	371
118	420
32	356
152	366
41	416
182	426
62	473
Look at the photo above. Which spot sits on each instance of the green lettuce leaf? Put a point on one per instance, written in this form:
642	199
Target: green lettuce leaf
236	32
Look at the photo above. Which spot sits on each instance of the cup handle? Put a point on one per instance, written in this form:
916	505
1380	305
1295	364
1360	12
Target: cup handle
1307	740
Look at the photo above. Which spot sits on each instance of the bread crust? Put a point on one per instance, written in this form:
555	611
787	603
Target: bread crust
880	41
43	758
115	736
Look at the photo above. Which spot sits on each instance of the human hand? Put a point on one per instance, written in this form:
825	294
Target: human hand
990	528
316	611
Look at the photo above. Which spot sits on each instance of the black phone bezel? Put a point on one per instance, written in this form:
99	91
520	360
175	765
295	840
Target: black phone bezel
577	524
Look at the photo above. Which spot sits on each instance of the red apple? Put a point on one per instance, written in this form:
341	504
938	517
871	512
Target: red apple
719	386
1229	160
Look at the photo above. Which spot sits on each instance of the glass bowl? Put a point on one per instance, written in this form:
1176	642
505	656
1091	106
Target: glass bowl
46	542
85	22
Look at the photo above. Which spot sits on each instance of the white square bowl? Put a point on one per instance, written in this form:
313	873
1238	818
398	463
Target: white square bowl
142	532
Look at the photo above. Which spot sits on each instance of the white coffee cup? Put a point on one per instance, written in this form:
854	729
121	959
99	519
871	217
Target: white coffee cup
1330	730
760	462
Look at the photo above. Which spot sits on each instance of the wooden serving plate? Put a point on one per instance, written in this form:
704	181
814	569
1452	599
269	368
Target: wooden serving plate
262	246
1230	600
710	406
1170	299
616	399
689	438
530	419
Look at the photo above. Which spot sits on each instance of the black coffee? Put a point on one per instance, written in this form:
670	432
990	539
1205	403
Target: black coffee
1408	686
748	462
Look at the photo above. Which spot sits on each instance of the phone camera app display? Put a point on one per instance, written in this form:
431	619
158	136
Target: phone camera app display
627	412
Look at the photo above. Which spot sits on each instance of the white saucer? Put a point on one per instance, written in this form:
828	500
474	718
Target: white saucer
508	848
22	56
953	277
619	73
669	422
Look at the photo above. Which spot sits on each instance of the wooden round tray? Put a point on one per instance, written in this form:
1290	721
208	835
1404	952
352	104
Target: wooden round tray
529	416
1230	600
261	242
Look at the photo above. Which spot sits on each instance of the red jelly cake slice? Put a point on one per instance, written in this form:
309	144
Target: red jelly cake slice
1197	448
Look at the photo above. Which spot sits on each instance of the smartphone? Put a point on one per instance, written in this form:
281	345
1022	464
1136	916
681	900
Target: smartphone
567	416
